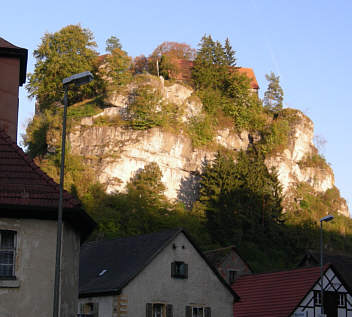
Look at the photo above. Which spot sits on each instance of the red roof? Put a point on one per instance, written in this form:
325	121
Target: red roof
274	294
26	191
185	67
22	182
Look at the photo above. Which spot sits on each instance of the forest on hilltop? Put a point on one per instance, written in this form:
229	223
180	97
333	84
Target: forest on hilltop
240	201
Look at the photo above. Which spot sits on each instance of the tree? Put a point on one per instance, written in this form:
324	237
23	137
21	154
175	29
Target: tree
242	200
60	55
111	43
169	53
175	50
140	64
274	95
116	68
229	53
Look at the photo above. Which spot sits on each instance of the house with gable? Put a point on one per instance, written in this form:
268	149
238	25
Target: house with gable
293	293
161	274
28	215
229	263
342	262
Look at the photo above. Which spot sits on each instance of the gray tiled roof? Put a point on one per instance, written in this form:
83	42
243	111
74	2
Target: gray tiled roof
122	258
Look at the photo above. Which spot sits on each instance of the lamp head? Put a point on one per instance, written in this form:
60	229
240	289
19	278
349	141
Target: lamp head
327	218
78	79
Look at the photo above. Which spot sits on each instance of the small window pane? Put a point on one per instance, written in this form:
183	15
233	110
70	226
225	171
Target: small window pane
7	239
342	299
7	253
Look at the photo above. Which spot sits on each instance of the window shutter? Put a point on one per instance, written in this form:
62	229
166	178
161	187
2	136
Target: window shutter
96	309
186	270
149	310
173	269
207	312
169	310
188	311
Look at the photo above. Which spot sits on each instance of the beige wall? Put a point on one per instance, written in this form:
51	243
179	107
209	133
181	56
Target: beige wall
31	294
155	285
9	79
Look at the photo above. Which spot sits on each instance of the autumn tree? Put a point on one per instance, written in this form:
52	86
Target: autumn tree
111	43
166	54
140	64
274	95
60	55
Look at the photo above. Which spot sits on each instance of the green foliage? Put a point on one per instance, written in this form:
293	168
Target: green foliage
201	130
315	160
274	95
145	110
60	55
36	132
112	43
116	69
242	201
229	53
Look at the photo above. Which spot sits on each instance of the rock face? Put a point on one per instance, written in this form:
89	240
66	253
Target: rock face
118	153
287	163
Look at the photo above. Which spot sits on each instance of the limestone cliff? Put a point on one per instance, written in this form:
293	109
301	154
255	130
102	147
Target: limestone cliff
117	152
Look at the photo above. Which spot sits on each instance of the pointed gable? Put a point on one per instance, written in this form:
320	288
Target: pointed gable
274	294
26	191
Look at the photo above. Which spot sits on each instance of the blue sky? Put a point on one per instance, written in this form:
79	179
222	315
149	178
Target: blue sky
307	43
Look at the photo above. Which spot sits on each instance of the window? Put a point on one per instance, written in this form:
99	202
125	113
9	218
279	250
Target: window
317	298
179	270
159	310
198	311
89	310
7	253
342	300
233	274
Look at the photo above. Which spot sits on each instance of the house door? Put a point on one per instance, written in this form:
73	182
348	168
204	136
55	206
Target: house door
330	304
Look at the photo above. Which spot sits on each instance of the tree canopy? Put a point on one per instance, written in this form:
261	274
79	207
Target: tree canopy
111	43
274	95
60	55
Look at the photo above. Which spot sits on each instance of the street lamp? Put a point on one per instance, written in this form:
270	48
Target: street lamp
77	80
324	219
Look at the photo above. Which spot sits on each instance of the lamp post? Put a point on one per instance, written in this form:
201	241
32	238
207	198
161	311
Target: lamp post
77	80
324	219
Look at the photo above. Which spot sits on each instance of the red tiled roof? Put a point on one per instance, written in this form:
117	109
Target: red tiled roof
185	68
274	294
27	192
23	183
250	74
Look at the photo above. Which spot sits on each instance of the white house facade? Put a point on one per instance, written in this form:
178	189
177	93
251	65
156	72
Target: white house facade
174	280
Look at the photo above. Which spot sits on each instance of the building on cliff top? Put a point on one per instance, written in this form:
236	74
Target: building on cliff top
28	215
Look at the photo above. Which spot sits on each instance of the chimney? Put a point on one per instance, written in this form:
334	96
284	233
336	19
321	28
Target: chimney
13	67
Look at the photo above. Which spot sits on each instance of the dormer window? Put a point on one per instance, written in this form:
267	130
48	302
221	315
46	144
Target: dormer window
7	254
233	274
179	269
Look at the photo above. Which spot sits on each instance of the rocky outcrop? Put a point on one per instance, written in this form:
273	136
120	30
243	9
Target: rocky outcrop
301	146
117	153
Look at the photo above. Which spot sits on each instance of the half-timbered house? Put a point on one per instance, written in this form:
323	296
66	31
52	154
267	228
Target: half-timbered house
293	293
